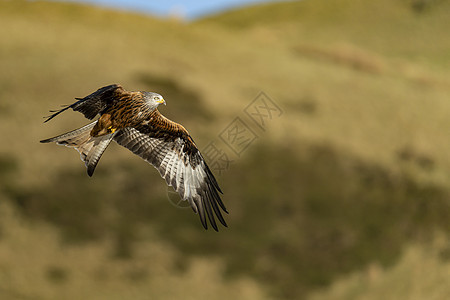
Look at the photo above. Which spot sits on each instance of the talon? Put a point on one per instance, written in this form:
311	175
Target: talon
111	129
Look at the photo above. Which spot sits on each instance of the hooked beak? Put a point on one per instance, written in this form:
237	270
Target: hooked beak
162	101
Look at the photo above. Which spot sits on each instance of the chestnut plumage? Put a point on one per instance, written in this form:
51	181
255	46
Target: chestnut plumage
133	121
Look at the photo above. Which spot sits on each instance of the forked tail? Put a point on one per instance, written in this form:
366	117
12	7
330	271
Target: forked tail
90	148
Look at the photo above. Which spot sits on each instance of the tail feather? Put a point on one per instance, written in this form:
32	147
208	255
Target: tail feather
90	148
99	145
74	137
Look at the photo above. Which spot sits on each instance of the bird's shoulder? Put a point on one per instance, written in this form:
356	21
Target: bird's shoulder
160	127
158	123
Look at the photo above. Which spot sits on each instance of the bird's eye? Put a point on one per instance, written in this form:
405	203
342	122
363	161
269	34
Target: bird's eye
157	98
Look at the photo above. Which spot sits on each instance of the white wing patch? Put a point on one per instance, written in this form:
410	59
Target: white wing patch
193	182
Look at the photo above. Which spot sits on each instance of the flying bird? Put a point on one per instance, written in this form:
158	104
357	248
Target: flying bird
133	121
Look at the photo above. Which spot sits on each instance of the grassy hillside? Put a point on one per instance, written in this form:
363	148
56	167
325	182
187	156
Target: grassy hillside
405	280
403	29
353	172
382	66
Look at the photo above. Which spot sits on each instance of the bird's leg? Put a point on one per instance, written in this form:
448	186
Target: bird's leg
104	126
111	129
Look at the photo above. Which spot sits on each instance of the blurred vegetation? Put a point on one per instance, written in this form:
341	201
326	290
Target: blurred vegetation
405	280
342	197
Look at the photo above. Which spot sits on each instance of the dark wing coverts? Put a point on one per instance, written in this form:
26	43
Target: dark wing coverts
171	150
95	103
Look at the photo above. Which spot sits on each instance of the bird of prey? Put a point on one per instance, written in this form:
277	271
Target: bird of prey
134	122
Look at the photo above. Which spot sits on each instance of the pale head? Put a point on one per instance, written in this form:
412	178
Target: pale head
153	99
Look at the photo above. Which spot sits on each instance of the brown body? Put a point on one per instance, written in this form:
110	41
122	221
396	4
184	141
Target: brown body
133	121
128	111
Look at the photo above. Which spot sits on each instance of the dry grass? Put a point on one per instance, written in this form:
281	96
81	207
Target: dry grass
361	148
345	55
34	265
423	272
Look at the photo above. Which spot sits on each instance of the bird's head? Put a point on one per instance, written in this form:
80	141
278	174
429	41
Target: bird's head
153	99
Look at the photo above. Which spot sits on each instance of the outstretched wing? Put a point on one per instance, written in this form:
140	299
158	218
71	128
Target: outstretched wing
171	150
95	103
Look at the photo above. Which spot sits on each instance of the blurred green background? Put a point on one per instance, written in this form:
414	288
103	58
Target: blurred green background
343	196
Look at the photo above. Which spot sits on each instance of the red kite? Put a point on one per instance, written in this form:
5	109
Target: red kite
133	121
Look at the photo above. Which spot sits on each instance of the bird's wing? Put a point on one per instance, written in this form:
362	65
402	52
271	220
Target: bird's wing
94	103
170	149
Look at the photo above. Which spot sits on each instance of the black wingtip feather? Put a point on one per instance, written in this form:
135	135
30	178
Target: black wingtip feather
215	207
207	203
212	178
56	112
201	213
218	199
205	225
